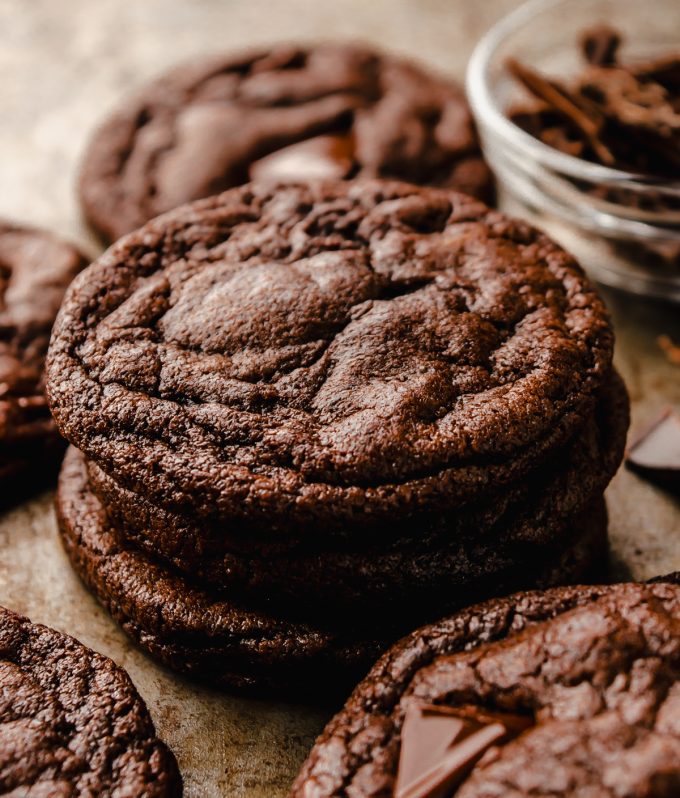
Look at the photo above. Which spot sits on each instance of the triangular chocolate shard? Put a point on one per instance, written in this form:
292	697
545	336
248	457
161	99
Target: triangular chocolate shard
656	453
440	745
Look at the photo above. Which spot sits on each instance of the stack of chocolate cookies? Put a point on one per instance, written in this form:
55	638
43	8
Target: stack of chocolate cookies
309	417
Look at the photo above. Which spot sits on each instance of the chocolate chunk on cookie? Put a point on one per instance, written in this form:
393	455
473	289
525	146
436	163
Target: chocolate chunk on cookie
72	723
572	691
289	113
35	269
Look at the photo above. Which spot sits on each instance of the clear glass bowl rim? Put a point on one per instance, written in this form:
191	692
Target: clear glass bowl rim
491	115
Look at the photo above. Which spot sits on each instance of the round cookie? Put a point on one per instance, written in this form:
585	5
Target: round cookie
35	269
72	723
573	691
314	356
409	567
231	643
289	113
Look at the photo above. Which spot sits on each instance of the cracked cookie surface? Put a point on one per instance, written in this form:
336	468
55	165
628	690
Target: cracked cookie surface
288	113
72	723
337	351
596	671
35	269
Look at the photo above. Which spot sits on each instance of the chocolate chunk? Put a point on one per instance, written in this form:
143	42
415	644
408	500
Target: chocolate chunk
588	121
656	453
320	157
627	116
440	745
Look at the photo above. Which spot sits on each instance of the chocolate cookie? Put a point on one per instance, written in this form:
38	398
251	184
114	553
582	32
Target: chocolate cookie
327	355
236	643
35	269
330	111
403	565
573	691
72	723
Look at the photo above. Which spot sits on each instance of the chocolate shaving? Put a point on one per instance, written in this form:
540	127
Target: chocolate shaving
600	45
665	71
557	97
625	116
620	115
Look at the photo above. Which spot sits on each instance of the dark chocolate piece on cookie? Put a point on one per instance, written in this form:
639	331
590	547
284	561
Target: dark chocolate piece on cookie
291	113
35	270
655	454
323	157
592	672
72	723
440	745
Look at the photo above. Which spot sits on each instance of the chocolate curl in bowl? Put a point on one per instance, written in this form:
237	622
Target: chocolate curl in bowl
622	116
556	97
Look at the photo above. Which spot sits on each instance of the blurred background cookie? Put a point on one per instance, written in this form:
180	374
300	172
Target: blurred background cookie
35	269
288	113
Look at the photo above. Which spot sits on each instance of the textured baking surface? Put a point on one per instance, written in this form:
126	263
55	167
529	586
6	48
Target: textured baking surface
52	95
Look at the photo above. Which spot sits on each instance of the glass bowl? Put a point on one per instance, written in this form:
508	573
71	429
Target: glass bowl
609	219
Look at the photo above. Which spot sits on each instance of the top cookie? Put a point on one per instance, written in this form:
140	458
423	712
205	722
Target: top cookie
336	350
574	691
35	269
330	111
72	723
